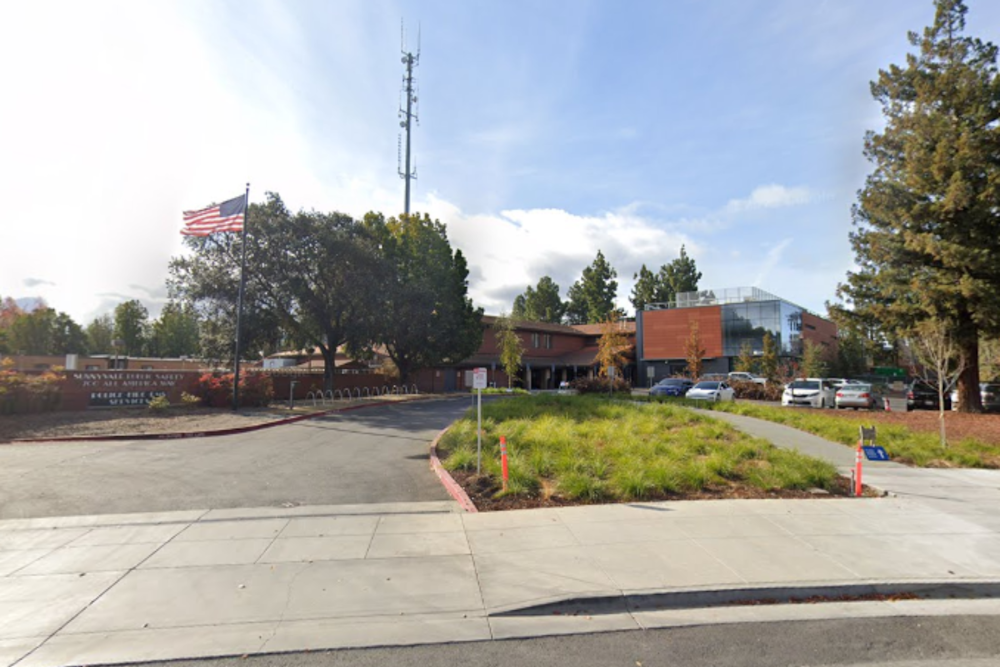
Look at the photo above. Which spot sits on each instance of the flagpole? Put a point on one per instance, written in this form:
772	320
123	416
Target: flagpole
239	303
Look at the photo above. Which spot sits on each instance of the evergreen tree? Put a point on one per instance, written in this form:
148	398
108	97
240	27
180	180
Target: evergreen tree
680	275
592	297
925	236
68	337
99	334
175	333
646	290
130	326
423	316
540	304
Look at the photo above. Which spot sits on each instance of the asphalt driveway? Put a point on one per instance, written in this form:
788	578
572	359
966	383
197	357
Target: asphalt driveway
372	455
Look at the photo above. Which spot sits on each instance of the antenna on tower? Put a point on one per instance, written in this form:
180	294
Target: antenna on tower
409	115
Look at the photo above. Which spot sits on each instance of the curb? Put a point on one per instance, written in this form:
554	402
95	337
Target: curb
451	486
203	434
765	594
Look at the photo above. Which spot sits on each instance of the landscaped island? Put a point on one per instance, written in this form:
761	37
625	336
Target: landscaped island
581	449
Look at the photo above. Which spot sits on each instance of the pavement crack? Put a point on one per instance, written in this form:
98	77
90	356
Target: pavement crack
284	608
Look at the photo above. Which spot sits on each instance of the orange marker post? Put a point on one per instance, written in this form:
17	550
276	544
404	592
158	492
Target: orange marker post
857	471
503	460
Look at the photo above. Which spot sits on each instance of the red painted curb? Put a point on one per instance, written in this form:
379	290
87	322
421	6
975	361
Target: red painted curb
451	486
202	434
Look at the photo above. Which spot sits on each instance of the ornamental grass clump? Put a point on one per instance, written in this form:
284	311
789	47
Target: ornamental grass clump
588	449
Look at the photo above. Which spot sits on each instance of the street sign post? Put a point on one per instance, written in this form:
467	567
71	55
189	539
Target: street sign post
479	383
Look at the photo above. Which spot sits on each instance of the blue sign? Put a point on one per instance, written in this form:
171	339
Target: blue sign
875	453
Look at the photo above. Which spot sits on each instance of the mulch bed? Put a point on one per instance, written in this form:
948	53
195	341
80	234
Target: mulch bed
483	490
958	425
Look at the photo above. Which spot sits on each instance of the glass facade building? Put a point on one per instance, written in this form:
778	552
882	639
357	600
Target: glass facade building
747	322
747	314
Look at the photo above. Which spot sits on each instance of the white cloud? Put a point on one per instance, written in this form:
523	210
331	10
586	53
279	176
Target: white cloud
771	196
770	261
509	251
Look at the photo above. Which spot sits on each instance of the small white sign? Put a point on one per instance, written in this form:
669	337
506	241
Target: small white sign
650	371
479	378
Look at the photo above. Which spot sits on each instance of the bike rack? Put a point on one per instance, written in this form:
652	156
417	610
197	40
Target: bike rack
368	393
337	395
311	396
358	389
415	390
328	394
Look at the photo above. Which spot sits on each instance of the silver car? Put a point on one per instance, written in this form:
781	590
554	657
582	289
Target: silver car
855	396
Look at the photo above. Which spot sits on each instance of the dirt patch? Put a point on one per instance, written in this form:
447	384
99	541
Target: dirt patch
483	490
140	421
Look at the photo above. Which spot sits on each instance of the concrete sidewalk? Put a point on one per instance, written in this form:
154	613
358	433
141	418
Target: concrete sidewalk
126	588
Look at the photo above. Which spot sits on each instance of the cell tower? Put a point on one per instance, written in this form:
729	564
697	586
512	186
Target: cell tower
408	116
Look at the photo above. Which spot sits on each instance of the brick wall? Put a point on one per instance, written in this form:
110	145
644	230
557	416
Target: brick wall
665	333
820	331
561	343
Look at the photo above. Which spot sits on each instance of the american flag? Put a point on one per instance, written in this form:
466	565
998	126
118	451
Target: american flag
225	217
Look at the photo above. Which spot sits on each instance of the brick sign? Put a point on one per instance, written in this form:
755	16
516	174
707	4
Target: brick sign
113	389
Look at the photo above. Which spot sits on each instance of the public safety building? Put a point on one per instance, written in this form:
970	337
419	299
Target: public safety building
726	319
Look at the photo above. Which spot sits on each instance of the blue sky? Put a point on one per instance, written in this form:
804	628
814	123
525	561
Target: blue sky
548	130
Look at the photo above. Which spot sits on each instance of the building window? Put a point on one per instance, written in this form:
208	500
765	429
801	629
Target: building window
535	340
548	342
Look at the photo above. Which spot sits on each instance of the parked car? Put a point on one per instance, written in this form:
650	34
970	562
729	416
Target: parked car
922	394
714	377
989	392
738	376
711	391
671	387
811	392
856	396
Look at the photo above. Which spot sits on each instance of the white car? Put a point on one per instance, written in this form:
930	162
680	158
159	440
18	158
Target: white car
811	392
737	376
711	391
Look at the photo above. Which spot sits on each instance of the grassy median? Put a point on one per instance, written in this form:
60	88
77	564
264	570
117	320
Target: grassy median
903	444
587	449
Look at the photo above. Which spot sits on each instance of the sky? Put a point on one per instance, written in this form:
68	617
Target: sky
548	131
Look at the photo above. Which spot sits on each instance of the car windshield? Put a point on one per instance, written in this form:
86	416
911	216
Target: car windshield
804	384
671	382
707	385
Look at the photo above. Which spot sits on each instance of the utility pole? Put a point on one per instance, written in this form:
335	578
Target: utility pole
408	116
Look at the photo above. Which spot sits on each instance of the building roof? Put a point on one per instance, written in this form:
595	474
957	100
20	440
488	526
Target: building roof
628	327
545	327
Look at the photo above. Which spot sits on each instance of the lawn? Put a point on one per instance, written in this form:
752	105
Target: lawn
589	449
917	443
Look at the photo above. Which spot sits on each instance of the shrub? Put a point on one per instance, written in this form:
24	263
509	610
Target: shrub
500	391
189	400
256	390
600	385
758	392
216	390
22	393
159	403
